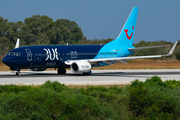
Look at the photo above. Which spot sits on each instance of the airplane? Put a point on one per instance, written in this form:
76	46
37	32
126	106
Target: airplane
79	58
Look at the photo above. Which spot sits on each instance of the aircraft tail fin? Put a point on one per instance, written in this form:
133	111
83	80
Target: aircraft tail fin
126	35
17	43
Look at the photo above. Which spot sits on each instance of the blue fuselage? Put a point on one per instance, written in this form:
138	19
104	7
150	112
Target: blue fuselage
54	56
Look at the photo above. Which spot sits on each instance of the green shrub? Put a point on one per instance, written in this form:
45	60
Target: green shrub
56	86
152	99
139	99
13	88
173	84
155	81
136	83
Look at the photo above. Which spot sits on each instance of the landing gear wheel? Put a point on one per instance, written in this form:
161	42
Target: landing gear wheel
87	73
61	71
18	73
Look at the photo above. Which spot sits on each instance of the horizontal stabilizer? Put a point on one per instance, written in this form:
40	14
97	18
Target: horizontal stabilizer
148	47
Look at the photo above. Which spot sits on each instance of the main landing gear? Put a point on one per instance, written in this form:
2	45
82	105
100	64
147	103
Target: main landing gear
87	73
61	71
18	73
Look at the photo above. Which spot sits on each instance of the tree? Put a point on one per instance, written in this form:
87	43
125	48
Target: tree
9	32
67	32
3	26
177	54
37	29
4	48
42	30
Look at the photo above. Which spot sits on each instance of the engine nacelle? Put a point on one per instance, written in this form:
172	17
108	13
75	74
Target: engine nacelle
81	66
37	69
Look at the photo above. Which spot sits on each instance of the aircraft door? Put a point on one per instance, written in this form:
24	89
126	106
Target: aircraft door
29	54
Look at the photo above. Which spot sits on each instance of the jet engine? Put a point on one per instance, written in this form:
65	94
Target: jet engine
37	69
81	66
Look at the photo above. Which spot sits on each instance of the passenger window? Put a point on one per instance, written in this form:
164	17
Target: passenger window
18	54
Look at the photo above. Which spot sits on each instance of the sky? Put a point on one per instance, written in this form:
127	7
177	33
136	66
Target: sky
102	19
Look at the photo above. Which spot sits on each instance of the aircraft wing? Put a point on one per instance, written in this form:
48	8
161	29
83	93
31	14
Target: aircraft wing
133	57
121	59
148	47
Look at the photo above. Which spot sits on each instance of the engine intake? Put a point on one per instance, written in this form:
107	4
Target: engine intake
81	66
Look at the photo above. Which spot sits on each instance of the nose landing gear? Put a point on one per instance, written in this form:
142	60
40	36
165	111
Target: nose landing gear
16	69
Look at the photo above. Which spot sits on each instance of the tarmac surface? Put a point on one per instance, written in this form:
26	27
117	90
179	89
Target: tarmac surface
98	77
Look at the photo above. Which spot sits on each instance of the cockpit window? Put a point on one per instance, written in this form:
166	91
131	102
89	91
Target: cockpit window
14	54
11	53
18	54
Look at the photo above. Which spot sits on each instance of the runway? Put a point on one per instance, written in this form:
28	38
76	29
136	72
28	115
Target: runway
98	77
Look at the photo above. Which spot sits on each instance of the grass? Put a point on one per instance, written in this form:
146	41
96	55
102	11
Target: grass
134	64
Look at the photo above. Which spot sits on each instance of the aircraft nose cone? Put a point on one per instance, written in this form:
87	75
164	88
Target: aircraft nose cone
5	60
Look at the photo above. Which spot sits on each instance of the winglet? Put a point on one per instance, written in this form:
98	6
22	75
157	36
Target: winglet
172	49
17	43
